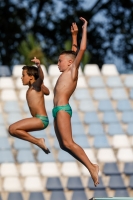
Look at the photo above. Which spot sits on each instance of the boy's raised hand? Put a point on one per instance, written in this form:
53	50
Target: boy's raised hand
84	22
36	61
74	29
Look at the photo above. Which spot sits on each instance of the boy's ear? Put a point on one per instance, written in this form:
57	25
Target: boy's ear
70	62
32	77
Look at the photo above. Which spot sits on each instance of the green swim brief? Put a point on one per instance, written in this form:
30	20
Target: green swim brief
66	108
44	120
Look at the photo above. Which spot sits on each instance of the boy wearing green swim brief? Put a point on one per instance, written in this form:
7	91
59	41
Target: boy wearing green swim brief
33	77
68	64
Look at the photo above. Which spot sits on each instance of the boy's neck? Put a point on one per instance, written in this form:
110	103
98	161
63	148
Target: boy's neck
31	83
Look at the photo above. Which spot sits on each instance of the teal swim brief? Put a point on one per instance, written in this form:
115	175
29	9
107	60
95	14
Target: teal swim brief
44	120
66	108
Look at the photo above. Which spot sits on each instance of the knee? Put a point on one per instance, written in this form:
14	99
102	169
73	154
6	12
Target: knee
12	130
67	145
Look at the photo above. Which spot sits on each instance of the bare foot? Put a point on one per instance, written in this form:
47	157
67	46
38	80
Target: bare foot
43	146
94	174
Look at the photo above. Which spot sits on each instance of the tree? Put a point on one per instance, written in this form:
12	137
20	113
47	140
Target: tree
28	49
109	28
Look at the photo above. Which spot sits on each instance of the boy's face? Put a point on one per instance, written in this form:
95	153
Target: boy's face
64	62
25	78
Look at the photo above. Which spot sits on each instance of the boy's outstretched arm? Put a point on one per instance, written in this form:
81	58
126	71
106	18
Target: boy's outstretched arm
39	83
82	44
37	62
74	32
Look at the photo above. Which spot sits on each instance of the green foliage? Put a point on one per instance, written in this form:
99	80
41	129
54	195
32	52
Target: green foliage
86	58
67	45
50	21
29	49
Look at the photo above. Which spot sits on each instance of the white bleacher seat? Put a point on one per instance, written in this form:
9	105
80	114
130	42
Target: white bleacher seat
25	107
6	83
54	80
33	184
81	82
131	141
127	116
21	144
0	109
54	70
86	106
130	129
50	96
128	82
120	141
131	94
72	104
49	104
19	84
17	70
123	105
125	155
12	184
109	70
91	70
119	93
8	95
90	155
100	94
106	155
11	106
3	131
96	82
114	81
82	93
115	129
28	169
85	171
47	82
8	169
44	70
22	94
105	105
110	117
49	169
13	117
70	169
80	71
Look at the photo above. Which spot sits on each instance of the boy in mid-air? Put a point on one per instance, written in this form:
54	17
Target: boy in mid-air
68	64
33	77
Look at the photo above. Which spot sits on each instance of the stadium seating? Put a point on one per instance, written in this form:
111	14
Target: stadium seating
4	71
102	124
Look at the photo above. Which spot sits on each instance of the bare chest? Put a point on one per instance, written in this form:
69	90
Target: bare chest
65	83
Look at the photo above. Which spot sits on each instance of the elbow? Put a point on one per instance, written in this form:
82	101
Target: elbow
83	49
47	93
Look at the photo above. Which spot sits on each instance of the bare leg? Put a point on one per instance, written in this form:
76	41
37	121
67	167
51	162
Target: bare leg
64	135
21	128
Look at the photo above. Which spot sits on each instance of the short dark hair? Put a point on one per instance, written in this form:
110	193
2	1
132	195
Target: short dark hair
69	52
31	71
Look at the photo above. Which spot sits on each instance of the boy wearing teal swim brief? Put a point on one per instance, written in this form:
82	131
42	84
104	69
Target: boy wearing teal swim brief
33	77
68	64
